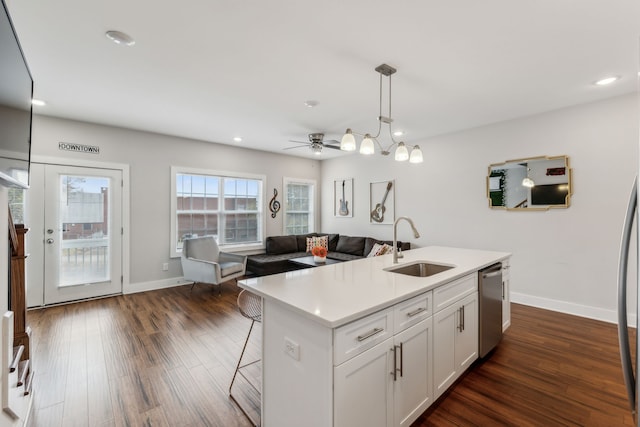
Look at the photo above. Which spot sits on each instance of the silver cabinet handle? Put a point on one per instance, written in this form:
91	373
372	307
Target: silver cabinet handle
369	334
461	323
395	365
463	317
416	311
401	358
49	241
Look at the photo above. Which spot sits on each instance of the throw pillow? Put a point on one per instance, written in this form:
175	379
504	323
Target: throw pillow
379	249
317	241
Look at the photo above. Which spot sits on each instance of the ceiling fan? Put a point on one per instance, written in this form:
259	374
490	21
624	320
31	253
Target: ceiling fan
316	143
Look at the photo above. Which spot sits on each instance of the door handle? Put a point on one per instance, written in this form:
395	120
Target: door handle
401	360
49	241
395	364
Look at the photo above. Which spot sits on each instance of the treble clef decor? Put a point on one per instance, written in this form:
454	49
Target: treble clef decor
274	205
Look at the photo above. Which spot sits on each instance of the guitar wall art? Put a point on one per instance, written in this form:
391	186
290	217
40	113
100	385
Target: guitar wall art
382	202
343	198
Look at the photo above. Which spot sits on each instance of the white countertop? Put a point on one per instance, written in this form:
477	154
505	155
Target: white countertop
336	294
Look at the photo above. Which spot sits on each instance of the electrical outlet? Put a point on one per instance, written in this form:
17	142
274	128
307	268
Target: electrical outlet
165	266
292	348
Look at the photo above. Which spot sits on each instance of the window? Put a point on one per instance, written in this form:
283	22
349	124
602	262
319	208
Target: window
225	205
16	204
299	204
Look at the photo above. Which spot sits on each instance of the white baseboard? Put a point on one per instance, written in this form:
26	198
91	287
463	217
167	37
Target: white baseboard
610	316
153	285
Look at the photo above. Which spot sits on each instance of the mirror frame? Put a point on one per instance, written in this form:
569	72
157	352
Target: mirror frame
569	174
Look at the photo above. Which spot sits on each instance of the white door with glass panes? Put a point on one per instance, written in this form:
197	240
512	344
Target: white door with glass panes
79	230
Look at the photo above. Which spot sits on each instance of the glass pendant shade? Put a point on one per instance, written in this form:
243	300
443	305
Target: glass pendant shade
528	182
348	142
402	153
367	147
416	155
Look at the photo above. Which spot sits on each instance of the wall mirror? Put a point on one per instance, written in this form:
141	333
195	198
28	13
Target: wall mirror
536	183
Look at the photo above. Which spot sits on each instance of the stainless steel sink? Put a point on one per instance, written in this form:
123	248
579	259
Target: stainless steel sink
419	269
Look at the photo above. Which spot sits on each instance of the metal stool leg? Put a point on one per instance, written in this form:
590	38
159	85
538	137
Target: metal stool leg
241	355
237	371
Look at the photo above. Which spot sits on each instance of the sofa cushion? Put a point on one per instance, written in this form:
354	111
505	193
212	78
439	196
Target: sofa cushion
370	241
333	241
312	242
379	249
275	245
351	245
301	240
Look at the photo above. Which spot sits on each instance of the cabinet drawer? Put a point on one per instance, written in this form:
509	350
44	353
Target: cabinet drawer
412	311
354	338
451	292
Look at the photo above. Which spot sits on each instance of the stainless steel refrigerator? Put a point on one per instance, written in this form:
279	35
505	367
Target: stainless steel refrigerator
623	332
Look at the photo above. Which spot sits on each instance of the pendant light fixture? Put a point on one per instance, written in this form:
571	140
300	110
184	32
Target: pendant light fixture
528	182
368	144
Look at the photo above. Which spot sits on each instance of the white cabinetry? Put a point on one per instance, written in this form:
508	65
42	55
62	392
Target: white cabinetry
455	326
506	294
387	383
363	392
413	385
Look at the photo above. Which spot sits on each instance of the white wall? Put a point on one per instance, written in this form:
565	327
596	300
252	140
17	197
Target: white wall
150	157
564	259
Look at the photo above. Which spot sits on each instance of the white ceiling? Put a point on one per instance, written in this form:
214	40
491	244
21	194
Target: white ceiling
215	69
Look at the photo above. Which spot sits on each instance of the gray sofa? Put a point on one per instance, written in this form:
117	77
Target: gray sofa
280	249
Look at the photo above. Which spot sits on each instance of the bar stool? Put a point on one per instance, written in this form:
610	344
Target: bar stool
250	306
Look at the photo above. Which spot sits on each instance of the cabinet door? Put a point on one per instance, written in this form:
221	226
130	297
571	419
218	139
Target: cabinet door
506	305
413	387
363	388
445	324
455	341
466	343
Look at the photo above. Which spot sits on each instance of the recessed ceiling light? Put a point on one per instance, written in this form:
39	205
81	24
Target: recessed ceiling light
607	80
237	139
38	102
398	133
119	37
310	103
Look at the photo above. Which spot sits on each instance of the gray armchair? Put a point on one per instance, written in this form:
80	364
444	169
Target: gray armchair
203	262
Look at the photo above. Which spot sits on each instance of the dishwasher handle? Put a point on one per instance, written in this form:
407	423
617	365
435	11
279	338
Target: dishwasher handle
492	271
492	274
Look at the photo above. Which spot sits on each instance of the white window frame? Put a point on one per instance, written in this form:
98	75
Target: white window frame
314	202
238	247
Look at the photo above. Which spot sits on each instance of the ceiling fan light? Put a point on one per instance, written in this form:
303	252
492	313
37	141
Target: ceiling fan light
367	147
402	154
118	37
416	155
348	142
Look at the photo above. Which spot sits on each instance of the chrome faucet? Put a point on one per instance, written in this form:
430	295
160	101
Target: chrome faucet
395	236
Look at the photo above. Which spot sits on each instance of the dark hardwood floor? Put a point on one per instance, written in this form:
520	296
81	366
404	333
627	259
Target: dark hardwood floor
165	358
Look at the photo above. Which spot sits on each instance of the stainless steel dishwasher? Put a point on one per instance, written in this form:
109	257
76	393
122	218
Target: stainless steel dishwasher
490	307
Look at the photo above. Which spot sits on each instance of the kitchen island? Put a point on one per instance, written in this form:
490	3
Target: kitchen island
353	344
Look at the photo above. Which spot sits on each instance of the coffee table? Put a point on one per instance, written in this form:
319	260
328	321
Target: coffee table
309	262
